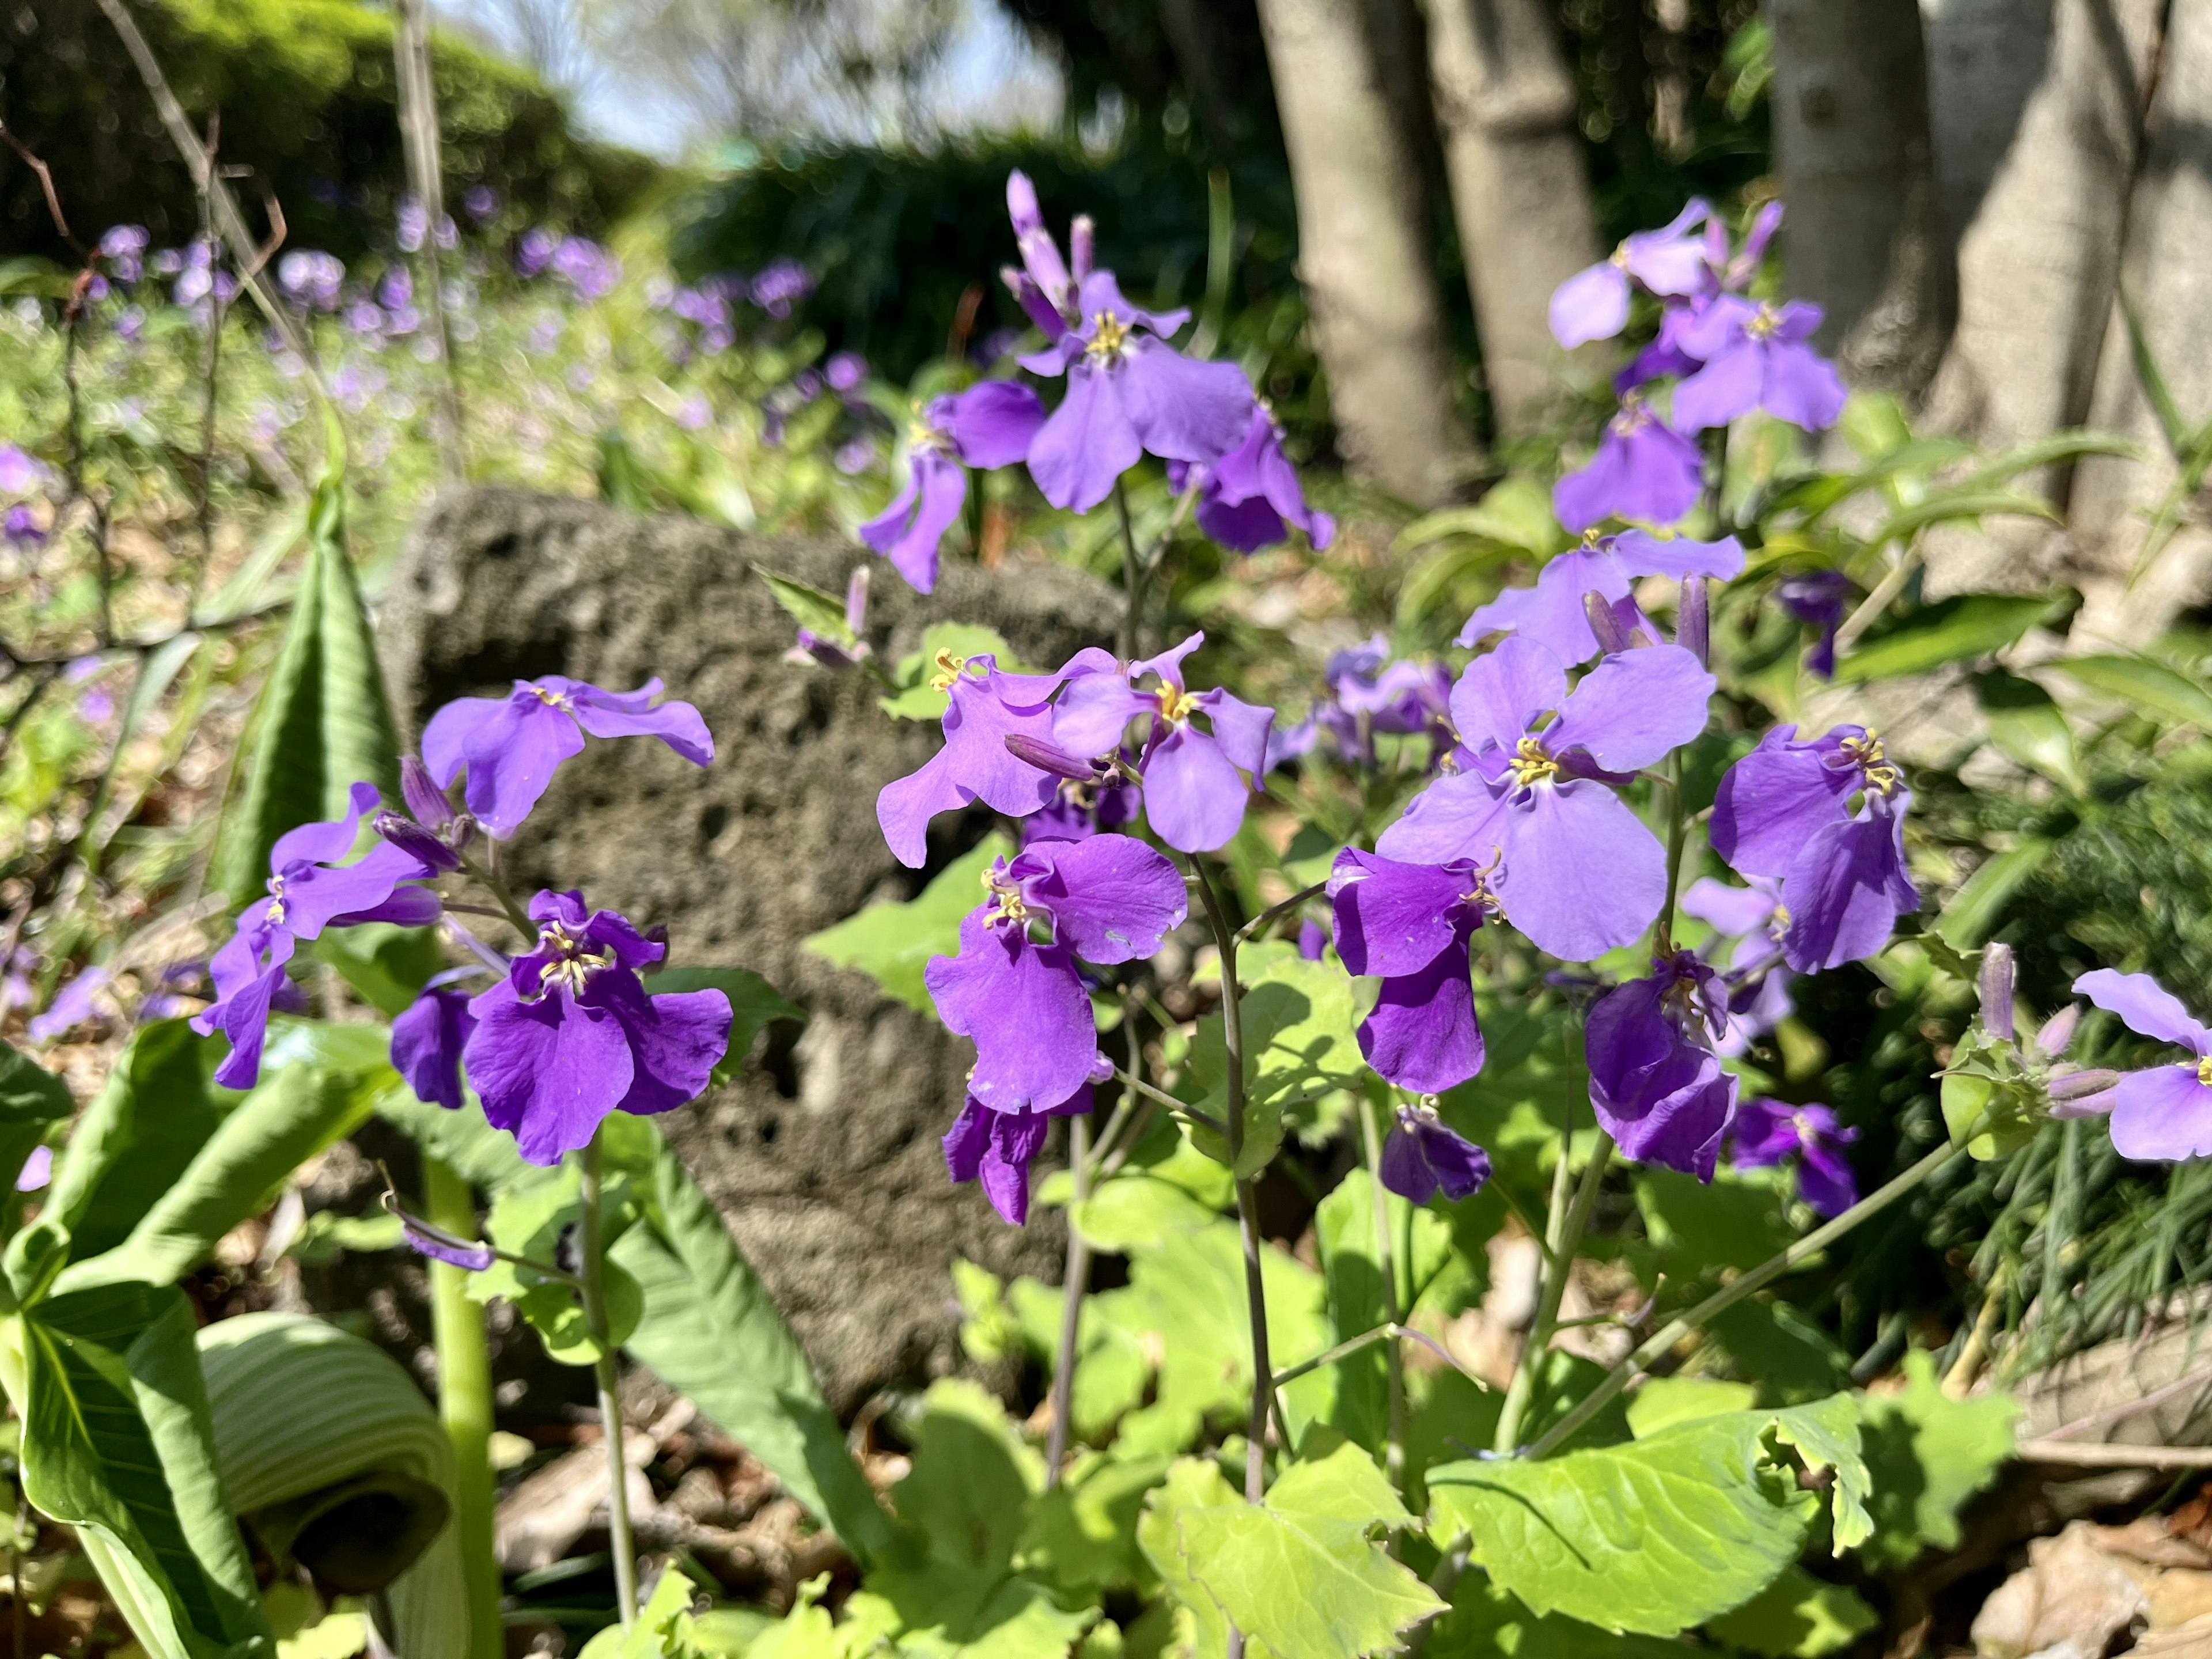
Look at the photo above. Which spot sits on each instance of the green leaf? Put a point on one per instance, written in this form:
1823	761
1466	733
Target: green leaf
1663	1533
387	964
1081	1536
1302	1572
2151	688
1957	629
1663	1401
1973	913
664	1627
1797	1617
117	1443
2173	424
483	1156
968	1493
1793	1357
755	1004
893	943
951	1613
1193	1484
1944	506
323	723
919	700
1928	1454
819	613
710	1328
2028	727
1111	1371
1299	1042
1484	1622
532	1221
1736	1222
1516	513
31	1098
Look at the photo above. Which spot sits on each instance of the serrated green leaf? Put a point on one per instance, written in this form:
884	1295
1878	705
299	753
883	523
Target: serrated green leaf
916	698
1081	1537
819	613
892	944
1826	1434
1928	1454
1299	1042
1955	630
949	1613
1192	1483
1797	1617
968	1492
2161	694
755	1004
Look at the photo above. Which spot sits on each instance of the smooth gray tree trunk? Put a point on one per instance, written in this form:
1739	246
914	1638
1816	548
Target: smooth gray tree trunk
1506	106
2166	270
1364	250
1865	235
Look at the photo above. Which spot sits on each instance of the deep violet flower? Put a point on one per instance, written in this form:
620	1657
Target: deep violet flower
1194	796
427	1040
982	711
511	745
1755	357
308	891
1593	304
1644	469
1748	924
1818	597
1784	811
997	1148
1410	924
1576	871
1249	498
1656	1084
570	1035
1768	1131
1099	799
992	424
1422	1154
2163	1112
1108	899
1553	612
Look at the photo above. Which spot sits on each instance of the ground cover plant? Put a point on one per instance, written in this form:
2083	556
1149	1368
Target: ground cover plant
1582	917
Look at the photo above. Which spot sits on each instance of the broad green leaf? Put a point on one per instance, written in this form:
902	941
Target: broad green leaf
387	964
535	1222
1737	1221
1299	1042
1111	1371
1955	630
1663	1533
664	1627
805	1633
2028	727
483	1156
755	1004
1134	1210
710	1328
323	723
893	943
951	1613
1928	1454
31	1099
968	1493
2161	694
1192	1483
1973	911
1792	1357
1302	1571
819	613
917	699
1797	1617
1082	1535
1663	1401
117	1443
1484	1622
1514	513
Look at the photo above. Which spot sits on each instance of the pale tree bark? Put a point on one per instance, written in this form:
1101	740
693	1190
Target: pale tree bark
1865	236
1363	252
1506	106
2134	590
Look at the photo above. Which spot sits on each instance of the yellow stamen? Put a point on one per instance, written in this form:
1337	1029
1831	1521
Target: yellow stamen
1867	753
1531	764
1763	322
1113	333
574	965
550	699
2204	1072
948	668
1010	907
276	907
1175	705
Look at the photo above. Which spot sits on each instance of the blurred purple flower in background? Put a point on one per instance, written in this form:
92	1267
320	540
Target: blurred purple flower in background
1818	597
72	1006
124	247
1644	469
1593	304
780	286
1766	1132
312	278
414	224
845	370
990	424
533	251
481	203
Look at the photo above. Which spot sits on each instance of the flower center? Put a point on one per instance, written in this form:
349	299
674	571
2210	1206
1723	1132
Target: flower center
923	435
1108	342
1779	923
572	965
1633	417
948	668
277	907
2204	1071
1620	259
1010	907
1803	1126
1763	322
1865	753
550	699
1175	705
1530	765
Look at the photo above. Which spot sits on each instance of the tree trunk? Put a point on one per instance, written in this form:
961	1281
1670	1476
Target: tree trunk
2166	271
1364	251
1865	236
1507	104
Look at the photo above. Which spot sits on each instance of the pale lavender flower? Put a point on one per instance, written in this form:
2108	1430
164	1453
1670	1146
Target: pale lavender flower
1553	612
1644	470
1593	304
2163	1113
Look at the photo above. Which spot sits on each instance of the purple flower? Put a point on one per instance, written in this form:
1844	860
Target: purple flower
1755	357
2164	1112
1193	795
1411	925
533	251
1768	1131
975	764
1593	304
780	286
427	1040
570	1034
1817	596
1644	469
845	370
997	1149
589	270
308	891
19	474
414	224
1366	691
1128	393
1664	356
1784	811
1109	899
511	744
1101	799
1423	1154
71	1007
1313	938
1248	498
1751	920
1552	612
1655	1083
1576	870
20	524
124	247
312	278
38	1169
990	424
481	203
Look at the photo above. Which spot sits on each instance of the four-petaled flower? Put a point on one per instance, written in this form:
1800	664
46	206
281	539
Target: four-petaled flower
1593	303
1248	499
1576	871
1644	469
511	745
1423	1153
1411	926
990	424
2163	1112
1755	357
1768	1131
1656	1082
1555	611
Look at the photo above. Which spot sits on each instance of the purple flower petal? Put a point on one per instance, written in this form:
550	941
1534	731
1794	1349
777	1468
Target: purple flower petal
1825	1179
676	1040
2163	1114
325	843
1552	613
909	530
1734	912
1025	1008
993	423
1040	253
1391	919
1590	305
1632	709
427	1040
1239	727
38	1171
1422	1154
1727	387
1086	443
1111	898
631	715
1422	1033
1459	815
1582	874
1802	387
1193	795
1644	469
1184	410
1661	1094
511	747
1500	695
2145	1007
547	1071
1846	888
1777	798
442	1246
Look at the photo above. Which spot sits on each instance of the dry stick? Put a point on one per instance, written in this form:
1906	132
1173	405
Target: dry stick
2048	1450
2120	1414
418	132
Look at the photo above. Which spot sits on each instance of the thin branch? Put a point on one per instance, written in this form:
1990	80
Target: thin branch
2120	1414
53	200
2047	1450
1273	911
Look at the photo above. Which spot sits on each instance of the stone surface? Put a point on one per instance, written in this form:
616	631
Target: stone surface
825	1156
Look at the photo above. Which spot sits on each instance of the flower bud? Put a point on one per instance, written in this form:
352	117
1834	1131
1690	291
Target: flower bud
426	802
1082	243
1693	620
2057	1033
1603	623
1996	984
418	843
2088	1093
1046	757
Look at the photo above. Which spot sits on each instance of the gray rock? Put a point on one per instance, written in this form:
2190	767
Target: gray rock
825	1156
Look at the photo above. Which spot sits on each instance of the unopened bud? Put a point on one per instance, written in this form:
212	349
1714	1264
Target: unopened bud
1997	982
418	843
426	802
1046	757
856	600
1604	624
2089	1093
1693	620
2057	1033
1082	240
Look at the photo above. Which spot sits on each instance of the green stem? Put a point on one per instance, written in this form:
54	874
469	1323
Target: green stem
1394	1461
464	1404
510	906
1565	1241
1071	1287
1720	1301
619	1540
1662	933
1133	577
